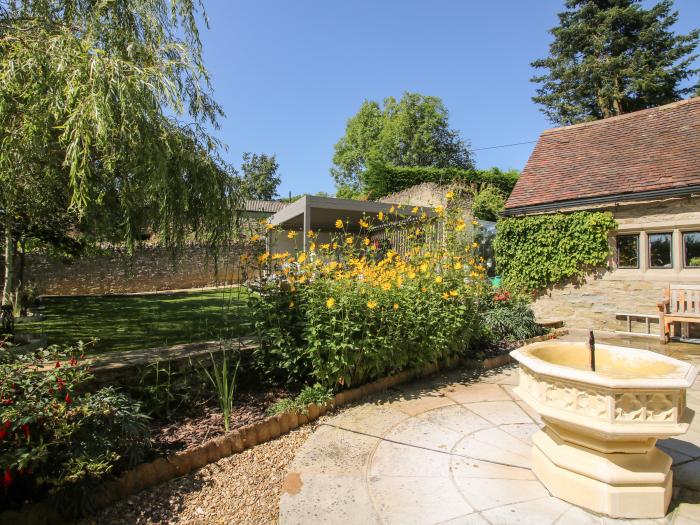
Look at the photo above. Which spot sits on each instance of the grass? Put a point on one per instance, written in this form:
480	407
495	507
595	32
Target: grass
143	321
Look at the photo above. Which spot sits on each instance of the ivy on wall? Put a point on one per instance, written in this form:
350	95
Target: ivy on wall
537	252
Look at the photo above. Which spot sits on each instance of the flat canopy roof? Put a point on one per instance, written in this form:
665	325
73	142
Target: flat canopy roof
320	213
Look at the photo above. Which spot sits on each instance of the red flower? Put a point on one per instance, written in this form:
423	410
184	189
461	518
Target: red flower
25	429
3	433
68	399
58	364
7	478
73	361
61	384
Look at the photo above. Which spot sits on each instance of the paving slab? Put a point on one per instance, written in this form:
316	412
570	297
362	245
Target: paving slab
450	450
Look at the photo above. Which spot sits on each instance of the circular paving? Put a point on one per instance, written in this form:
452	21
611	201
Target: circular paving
446	451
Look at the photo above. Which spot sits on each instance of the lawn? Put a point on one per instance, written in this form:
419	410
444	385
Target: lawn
143	321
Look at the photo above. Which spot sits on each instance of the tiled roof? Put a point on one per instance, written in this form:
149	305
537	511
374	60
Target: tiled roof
653	149
260	206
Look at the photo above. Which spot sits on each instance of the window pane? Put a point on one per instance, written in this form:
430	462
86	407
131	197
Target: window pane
660	250
691	248
628	251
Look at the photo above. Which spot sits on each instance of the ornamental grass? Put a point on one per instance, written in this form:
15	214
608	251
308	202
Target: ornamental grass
352	308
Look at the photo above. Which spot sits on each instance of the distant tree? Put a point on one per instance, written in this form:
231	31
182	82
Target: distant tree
611	57
413	131
91	94
488	203
259	176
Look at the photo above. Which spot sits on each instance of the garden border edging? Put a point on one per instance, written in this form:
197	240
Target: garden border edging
166	468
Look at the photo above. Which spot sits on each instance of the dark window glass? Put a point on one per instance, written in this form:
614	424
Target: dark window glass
628	251
691	249
660	245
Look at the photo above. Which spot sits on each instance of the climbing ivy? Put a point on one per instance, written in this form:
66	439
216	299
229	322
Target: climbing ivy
540	251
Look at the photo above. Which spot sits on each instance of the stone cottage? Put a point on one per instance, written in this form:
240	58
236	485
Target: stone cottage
644	167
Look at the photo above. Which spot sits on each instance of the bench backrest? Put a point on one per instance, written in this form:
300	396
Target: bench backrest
684	299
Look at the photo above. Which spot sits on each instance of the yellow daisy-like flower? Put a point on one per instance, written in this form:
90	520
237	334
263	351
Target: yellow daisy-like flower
364	223
301	258
255	238
326	246
381	216
454	293
366	241
396	306
335	245
268	226
348	240
386	287
339	224
424	215
423	267
414	210
330	302
445	295
411	275
475	222
458	265
312	246
263	257
310	234
373	247
392	209
291	234
475	244
438	279
371	304
450	195
460	225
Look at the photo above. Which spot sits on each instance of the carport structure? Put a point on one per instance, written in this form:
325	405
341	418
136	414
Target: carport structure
319	214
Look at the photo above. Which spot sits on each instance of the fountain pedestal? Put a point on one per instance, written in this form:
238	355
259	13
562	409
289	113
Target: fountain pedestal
598	445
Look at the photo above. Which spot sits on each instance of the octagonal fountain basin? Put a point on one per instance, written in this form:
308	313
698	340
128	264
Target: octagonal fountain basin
597	448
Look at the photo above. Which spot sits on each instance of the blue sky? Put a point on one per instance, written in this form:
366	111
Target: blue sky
290	73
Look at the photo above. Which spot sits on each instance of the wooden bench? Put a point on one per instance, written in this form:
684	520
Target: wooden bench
681	304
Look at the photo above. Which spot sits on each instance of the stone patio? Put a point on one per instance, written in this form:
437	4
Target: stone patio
454	449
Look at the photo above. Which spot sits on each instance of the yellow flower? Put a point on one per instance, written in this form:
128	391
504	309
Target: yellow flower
386	287
423	215
454	293
364	223
475	245
348	240
460	225
330	302
450	195
312	246
291	234
255	238
301	258
381	216
339	224
371	304
438	279
373	247
366	241
326	246
335	245
414	210
411	275
263	257
445	295
458	265
392	209
396	306
475	222
310	234
268	226
439	210
423	267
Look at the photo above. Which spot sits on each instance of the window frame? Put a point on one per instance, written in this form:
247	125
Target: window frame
684	252
637	236
671	250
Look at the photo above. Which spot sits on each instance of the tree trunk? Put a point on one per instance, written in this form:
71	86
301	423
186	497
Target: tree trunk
8	288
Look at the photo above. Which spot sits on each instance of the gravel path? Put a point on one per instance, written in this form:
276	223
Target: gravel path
240	489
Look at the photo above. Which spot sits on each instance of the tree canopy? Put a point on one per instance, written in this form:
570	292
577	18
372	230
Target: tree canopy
104	111
259	178
611	57
412	131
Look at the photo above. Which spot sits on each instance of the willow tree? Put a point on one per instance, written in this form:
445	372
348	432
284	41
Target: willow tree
105	107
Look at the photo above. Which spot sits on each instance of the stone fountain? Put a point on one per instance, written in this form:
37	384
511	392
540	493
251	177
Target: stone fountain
597	448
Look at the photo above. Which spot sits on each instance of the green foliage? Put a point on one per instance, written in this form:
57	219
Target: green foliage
55	433
614	57
310	394
223	377
508	318
383	179
488	203
413	131
539	251
260	179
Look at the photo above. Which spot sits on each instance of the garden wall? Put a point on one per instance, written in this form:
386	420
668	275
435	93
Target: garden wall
149	269
594	302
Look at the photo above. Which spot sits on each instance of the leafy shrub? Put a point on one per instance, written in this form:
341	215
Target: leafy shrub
349	311
488	204
508	318
55	433
539	251
382	179
310	394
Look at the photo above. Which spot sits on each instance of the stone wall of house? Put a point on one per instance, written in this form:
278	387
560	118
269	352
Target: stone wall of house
595	302
149	269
